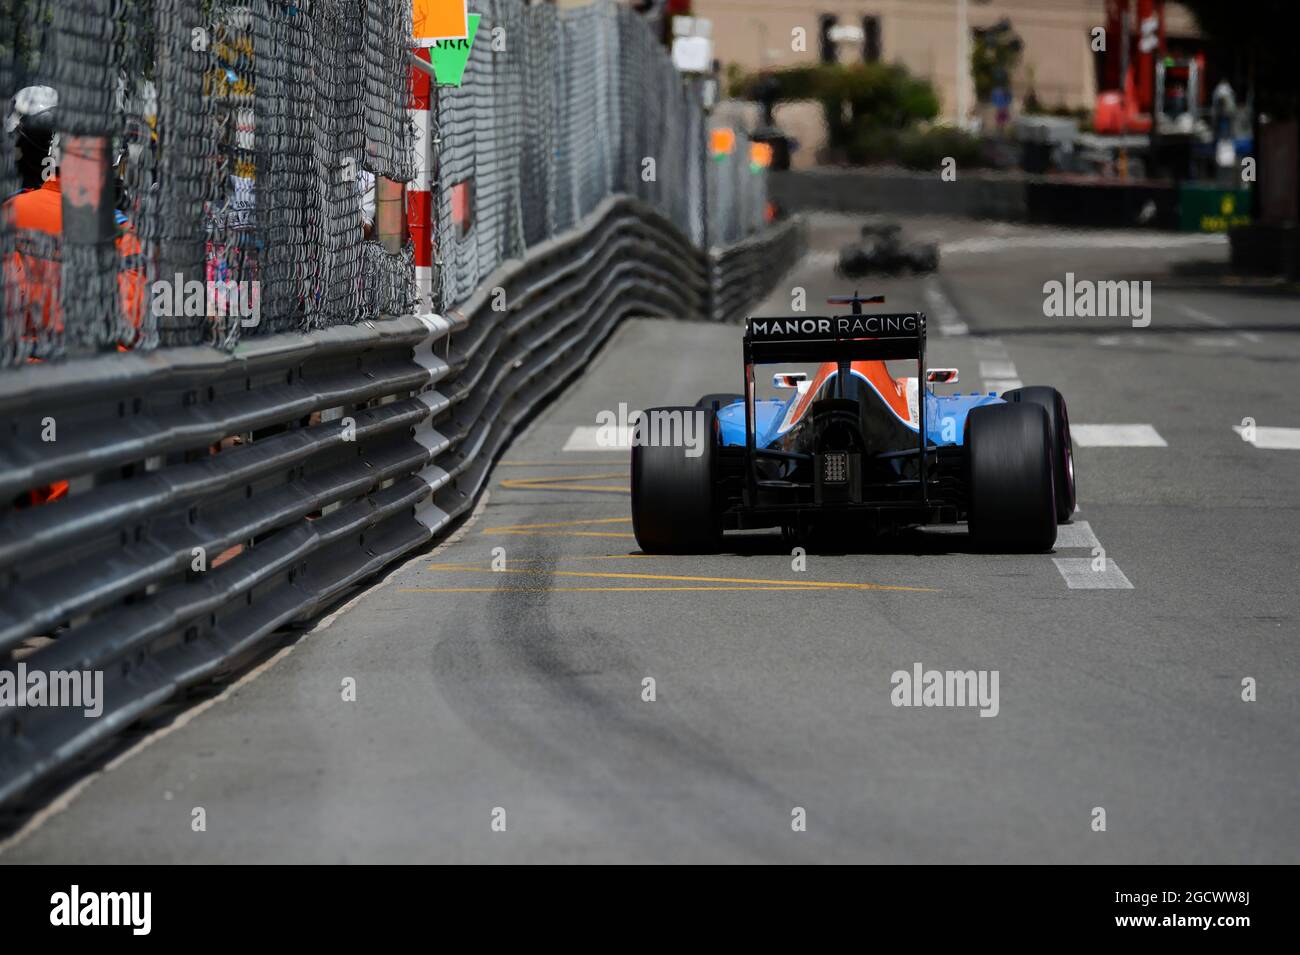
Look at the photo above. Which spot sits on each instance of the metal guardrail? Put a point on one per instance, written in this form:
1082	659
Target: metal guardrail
743	273
173	555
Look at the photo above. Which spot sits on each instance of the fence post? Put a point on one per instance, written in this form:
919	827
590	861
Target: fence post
419	198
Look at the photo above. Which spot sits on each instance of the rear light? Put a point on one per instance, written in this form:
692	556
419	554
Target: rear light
835	467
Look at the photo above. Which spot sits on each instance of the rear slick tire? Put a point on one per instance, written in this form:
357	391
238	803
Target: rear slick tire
1009	458
1058	426
674	508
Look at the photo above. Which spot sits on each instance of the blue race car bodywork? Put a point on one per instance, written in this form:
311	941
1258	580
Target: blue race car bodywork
855	449
945	415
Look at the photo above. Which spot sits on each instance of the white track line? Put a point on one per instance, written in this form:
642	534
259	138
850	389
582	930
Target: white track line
1205	318
1094	572
1079	573
588	438
1273	439
990	348
1117	240
1000	386
1000	375
998	369
1116	436
821	259
942	310
1076	534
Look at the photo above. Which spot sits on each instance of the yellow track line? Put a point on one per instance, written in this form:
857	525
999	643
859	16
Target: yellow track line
572	477
804	584
590	520
547	590
557	464
539	560
566	533
602	488
553	483
612	557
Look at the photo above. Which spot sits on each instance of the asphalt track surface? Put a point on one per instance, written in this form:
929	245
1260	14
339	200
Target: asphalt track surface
521	690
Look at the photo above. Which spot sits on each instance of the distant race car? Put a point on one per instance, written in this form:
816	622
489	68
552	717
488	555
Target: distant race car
883	249
854	449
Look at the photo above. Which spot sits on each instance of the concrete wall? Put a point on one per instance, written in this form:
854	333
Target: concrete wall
982	195
900	192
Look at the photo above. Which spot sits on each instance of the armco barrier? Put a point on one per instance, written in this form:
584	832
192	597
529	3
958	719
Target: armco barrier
742	273
173	555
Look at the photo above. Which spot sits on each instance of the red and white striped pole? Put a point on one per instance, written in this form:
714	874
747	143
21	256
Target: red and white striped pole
419	198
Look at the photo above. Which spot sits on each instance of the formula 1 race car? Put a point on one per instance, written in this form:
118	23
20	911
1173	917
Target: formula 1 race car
854	450
883	249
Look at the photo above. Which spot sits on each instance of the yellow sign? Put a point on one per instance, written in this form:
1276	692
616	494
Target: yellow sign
434	20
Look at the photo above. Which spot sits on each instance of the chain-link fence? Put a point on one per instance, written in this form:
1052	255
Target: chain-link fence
737	189
249	143
242	138
560	109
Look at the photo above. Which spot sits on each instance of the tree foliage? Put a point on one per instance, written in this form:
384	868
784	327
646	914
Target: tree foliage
856	99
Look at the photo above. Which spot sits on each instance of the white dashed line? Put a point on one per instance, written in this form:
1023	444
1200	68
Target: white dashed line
589	438
943	311
1000	386
1076	534
1091	573
1112	240
1094	572
1272	439
1205	318
999	374
997	369
990	348
1116	436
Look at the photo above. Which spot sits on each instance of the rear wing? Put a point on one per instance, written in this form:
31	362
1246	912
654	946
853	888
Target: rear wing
838	338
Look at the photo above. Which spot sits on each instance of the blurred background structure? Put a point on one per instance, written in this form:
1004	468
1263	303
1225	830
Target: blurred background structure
1181	114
